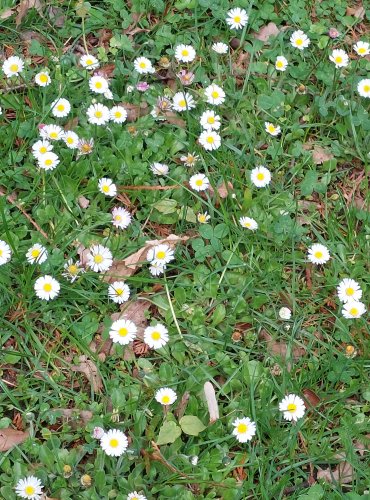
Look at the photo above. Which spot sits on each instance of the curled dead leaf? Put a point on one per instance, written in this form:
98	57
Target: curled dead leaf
24	6
210	395
319	155
357	11
311	397
181	407
266	31
174	119
135	111
7	13
83	202
281	349
10	437
90	370
224	189
342	474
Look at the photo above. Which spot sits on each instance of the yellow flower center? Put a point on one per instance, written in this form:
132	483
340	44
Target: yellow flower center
35	253
366	88
98	259
199	182
142	65
215	94
43	78
105	189
338	59
98	114
210	139
211	119
73	269
237	19
60	107
86	148
260	176
165	399
350	291
48	162
53	135
47	287
350	349
156	335
98	85
242	428
117	114
361	50
113	443
29	490
353	311
70	140
190	159
202	218
279	64
118	218
89	62
318	254
271	129
1	252
292	408
122	332
299	41
185	52
161	254
119	291
14	68
247	224
43	150
182	103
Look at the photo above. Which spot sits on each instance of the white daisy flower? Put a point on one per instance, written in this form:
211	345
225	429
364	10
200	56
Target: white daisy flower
237	18
71	139
52	132
182	101
157	269
99	258
13	66
363	87
5	252
244	429
134	495
98	84
210	140
72	270
60	108
318	254
98	114
37	254
281	63
362	48
248	223
292	407
156	336
185	53
89	62
48	161
353	309
29	487
114	443
41	147
118	114
108	94
46	287
339	58
107	187
285	313
299	40
199	182
165	396
119	292
261	177
142	65
203	218
121	217
123	331
214	94
348	289
220	48
210	121
159	168
272	129
42	79
190	159
160	254
98	432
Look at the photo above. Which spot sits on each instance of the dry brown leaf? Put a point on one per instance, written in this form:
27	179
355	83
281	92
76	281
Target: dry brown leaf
224	189
74	416
174	119
25	6
266	31
311	397
10	437
83	202
56	15
358	11
129	265
181	407
319	155
135	111
241	64
7	13
71	124
210	394
342	474
89	369
281	349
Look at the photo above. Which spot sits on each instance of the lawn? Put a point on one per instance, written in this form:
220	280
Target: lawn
184	249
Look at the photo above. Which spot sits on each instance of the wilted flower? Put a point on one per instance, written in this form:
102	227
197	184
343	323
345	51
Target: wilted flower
186	77
142	86
85	146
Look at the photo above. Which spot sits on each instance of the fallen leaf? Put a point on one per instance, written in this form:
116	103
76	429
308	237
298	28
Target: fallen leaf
224	189
266	31
56	16
319	155
83	202
281	349
75	416
358	11
25	6
71	124
10	437
181	407
135	111
174	119
89	369
6	13
210	395
241	64
342	474
311	397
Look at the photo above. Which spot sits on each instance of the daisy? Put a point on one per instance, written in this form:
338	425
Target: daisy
186	77
203	218
5	252
156	336
142	65
114	443
156	269
199	182
248	223
99	258
98	114
210	121
142	86
363	87
89	62
43	79
214	94
281	63
48	161
108	94
261	177
292	407
37	253
71	139
182	101
237	18
13	66
98	432
272	129
107	187
159	168
52	132
160	254
85	146
72	270
119	292
185	53
318	254
285	313
339	58
134	495
210	140
244	429
220	48
362	48
166	396
353	309
98	84
189	159
123	331
118	114
30	487
41	147
60	108
349	289
121	218
299	40
46	287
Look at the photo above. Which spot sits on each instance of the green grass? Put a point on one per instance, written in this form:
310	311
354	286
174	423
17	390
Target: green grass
226	284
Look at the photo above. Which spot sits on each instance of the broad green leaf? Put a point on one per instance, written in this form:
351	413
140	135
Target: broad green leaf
191	425
168	433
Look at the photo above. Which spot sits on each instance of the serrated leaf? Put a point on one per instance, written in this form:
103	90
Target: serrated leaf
168	433
191	425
